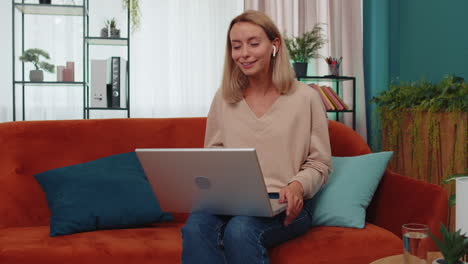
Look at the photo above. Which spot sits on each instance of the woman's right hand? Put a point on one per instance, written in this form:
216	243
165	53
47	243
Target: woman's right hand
293	195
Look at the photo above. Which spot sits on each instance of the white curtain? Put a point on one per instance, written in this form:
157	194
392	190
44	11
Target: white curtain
342	21
176	57
177	66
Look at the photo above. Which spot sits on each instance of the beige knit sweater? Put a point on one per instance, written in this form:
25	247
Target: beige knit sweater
291	138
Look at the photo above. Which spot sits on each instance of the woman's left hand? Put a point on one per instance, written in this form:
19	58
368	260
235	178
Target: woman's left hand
292	194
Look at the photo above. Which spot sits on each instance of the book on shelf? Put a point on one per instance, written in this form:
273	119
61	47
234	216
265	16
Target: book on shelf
343	105
328	105
329	98
333	97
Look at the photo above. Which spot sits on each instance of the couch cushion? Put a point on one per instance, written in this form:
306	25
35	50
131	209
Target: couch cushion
331	245
159	244
28	148
106	193
343	200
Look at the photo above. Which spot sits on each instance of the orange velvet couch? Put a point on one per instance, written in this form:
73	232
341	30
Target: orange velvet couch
31	147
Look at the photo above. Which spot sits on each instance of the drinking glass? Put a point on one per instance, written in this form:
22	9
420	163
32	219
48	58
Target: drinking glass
415	239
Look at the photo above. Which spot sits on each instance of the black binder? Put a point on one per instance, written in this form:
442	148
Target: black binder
113	83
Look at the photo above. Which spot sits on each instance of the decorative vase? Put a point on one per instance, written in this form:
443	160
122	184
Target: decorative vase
104	33
115	33
300	68
334	69
36	76
45	2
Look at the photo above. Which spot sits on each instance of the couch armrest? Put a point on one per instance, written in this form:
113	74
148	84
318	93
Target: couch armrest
399	200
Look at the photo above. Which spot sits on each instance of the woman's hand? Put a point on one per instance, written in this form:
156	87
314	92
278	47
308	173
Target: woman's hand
292	194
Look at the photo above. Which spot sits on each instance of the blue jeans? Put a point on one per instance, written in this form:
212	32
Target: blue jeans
237	239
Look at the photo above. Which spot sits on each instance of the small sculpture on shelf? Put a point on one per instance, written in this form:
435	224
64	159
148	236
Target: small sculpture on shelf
33	56
110	29
66	73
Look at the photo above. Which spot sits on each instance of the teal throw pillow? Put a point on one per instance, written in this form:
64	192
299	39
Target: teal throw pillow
343	200
108	193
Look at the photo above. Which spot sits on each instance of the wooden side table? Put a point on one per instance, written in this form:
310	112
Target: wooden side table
398	259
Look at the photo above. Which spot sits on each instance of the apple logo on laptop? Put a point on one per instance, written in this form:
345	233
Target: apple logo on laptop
202	182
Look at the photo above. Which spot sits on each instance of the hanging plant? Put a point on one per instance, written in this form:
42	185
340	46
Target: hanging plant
412	99
425	125
135	13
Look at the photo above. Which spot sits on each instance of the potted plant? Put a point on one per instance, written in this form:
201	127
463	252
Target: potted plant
134	12
110	29
33	55
425	125
303	48
453	246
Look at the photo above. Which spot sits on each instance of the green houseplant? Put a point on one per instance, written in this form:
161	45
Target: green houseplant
305	47
33	56
110	29
453	246
425	124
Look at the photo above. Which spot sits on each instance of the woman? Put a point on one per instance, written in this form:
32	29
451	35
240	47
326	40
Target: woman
260	105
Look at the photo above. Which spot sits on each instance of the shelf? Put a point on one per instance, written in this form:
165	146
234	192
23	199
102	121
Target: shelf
325	78
18	11
106	108
340	111
48	9
47	83
107	41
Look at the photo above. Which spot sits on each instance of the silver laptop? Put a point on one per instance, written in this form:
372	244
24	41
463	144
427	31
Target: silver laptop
216	181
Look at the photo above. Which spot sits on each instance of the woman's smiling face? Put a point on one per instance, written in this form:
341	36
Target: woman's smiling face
251	49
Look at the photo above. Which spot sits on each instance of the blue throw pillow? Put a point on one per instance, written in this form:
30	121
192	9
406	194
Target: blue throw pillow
107	193
343	200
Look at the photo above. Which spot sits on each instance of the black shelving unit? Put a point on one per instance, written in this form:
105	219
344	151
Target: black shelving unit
64	10
338	80
90	41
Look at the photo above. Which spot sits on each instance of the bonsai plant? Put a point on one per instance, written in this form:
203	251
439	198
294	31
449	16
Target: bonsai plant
33	56
134	12
453	246
303	48
110	29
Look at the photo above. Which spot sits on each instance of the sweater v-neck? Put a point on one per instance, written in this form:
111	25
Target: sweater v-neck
267	112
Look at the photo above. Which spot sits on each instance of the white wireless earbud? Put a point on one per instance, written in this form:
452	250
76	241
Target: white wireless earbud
274	51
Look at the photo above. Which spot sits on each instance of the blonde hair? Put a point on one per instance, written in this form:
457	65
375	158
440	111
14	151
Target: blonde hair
234	80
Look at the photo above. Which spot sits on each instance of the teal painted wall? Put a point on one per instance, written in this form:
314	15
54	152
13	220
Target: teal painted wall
411	40
429	39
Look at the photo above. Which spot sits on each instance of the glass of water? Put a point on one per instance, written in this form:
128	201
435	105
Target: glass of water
415	239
